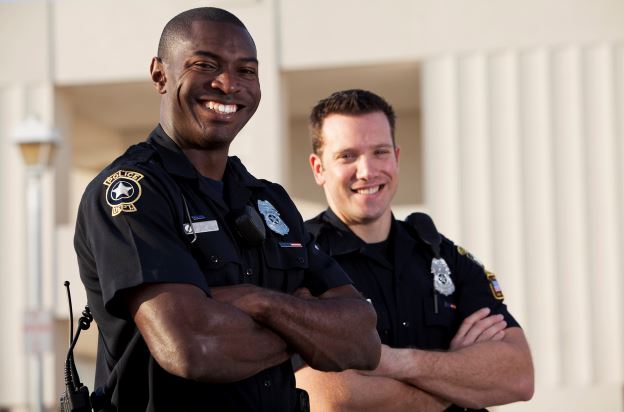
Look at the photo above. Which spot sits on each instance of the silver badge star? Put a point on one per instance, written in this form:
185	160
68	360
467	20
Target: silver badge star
122	190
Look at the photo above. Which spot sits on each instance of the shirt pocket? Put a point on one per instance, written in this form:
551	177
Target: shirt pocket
440	322
218	258
285	265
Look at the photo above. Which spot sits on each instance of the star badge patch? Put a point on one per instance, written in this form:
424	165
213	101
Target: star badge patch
123	189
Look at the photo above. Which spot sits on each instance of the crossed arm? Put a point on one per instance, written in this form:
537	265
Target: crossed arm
486	365
194	336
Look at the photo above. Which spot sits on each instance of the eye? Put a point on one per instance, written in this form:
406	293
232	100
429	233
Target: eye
205	65
248	71
345	156
382	152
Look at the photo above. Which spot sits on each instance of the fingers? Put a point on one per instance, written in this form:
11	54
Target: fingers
470	321
303	293
479	327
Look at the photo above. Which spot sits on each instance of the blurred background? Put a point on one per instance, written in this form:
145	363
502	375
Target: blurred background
510	122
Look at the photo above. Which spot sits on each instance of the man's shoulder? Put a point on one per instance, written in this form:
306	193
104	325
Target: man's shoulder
318	225
132	166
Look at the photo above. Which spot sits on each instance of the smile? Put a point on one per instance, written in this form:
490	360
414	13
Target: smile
221	108
369	190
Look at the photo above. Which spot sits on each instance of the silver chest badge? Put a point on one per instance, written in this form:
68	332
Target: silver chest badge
442	281
272	217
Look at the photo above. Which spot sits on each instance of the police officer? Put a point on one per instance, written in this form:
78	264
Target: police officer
448	339
201	278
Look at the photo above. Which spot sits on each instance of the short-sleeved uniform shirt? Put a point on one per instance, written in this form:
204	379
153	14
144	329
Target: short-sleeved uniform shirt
149	217
399	283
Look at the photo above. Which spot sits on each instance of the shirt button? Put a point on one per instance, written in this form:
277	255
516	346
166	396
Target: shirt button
300	260
267	383
386	332
406	324
249	272
214	259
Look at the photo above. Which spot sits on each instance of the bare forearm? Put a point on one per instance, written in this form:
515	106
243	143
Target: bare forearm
224	355
483	374
330	334
352	391
197	338
333	332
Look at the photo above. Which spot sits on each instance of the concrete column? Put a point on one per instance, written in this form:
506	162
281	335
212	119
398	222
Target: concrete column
619	139
505	175
603	214
440	144
475	165
538	213
571	217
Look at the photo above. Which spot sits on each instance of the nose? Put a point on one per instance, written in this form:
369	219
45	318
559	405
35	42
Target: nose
365	168
226	82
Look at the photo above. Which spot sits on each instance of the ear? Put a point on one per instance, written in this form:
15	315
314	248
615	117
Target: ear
157	73
397	151
317	169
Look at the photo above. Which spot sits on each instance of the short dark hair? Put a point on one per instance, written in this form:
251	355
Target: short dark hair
179	27
349	102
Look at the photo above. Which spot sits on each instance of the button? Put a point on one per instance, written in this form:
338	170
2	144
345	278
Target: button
300	260
214	259
267	383
249	272
386	332
406	324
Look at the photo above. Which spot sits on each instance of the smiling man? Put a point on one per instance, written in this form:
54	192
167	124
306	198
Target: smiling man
449	342
202	278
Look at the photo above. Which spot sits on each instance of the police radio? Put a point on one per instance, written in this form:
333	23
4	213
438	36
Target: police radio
75	398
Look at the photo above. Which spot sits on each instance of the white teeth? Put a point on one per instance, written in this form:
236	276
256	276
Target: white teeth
369	191
221	108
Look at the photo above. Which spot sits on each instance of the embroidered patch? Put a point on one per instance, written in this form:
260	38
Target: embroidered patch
469	255
497	292
123	190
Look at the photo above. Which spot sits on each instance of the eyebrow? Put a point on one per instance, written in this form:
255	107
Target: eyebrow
217	57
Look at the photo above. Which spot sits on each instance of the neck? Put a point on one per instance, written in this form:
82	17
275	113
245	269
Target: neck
209	163
374	231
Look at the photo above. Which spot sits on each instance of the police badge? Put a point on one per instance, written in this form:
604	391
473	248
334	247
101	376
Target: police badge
442	281
272	217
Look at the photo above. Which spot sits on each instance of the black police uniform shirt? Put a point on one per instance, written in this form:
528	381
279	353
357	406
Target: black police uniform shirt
149	217
397	280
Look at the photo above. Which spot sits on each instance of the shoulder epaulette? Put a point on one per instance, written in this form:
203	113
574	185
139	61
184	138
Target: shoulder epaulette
425	229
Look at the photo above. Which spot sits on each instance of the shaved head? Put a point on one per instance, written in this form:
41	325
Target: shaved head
179	27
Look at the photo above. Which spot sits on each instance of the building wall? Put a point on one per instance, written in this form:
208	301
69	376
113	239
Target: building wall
519	127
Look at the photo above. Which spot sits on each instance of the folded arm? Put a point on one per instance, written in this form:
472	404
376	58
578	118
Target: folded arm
487	373
195	337
332	332
352	391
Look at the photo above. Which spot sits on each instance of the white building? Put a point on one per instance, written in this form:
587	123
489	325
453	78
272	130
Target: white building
510	119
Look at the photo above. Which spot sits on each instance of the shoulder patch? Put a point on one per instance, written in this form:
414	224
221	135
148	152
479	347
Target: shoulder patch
469	255
497	292
122	190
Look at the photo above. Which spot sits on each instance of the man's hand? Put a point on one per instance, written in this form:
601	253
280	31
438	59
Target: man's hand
479	327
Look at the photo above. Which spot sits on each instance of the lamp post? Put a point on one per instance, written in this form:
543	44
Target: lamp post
36	143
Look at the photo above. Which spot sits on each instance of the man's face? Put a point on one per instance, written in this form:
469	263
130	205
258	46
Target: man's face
209	84
358	167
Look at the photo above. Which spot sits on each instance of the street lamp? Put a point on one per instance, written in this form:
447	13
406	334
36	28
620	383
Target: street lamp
36	142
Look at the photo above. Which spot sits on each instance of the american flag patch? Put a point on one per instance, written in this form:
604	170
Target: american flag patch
289	244
494	286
